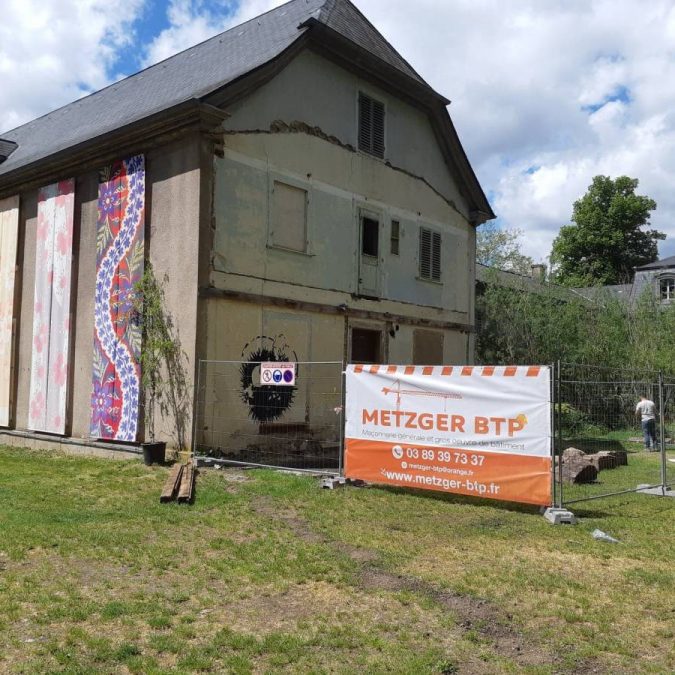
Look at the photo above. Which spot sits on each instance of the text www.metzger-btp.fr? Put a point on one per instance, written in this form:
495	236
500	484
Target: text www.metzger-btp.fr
443	483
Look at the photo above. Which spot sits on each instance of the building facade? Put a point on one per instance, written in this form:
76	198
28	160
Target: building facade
299	189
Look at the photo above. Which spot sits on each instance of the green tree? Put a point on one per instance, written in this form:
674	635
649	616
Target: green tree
606	241
501	249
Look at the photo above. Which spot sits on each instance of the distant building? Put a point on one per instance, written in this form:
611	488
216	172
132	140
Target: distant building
657	278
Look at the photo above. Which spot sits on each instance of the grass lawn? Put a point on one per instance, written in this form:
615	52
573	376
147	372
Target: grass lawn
268	573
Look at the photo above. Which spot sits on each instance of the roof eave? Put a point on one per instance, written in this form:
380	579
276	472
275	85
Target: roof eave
317	26
325	39
189	114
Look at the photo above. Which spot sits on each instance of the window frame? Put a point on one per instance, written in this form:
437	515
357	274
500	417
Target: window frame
667	281
395	239
370	216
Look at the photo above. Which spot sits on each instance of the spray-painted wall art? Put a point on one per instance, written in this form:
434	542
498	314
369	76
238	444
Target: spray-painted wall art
119	267
9	229
51	308
266	403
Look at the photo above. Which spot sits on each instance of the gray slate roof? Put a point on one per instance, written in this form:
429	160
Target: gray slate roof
659	264
193	73
346	19
598	292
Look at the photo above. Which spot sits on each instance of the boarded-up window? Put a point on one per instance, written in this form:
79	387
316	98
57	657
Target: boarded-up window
289	217
427	347
430	254
371	125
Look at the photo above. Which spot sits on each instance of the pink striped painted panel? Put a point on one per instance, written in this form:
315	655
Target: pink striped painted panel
9	228
51	310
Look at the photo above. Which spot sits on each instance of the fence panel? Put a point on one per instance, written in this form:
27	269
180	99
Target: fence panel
669	431
596	422
243	421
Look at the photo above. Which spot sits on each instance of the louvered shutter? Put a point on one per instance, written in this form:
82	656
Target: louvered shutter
430	254
425	253
371	126
436	256
365	123
378	129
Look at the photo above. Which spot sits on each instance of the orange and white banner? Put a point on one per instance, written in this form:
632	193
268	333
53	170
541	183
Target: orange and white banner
475	430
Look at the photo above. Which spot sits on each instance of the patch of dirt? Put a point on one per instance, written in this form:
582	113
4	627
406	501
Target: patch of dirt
232	475
298	525
472	614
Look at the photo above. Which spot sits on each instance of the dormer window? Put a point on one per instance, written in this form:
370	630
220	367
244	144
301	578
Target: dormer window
667	288
6	149
371	125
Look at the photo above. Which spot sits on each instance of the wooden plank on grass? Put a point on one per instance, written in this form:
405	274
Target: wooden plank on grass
187	483
172	482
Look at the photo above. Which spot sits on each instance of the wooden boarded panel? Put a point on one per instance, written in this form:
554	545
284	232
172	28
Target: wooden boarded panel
289	216
427	347
9	228
51	308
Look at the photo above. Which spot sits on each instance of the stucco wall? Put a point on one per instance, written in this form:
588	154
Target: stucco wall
340	184
236	333
174	218
315	90
301	129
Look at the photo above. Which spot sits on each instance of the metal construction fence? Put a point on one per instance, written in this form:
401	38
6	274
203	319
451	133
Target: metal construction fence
601	449
598	443
240	420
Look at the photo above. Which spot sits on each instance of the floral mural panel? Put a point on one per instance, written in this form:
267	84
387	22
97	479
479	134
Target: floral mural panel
120	250
51	307
9	228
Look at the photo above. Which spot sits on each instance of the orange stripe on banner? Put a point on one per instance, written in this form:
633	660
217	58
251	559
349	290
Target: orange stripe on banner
447	370
516	478
391	369
467	370
427	370
409	370
358	369
533	371
510	371
488	371
374	369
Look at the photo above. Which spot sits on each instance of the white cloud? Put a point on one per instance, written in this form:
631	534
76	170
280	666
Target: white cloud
193	21
524	78
54	51
545	94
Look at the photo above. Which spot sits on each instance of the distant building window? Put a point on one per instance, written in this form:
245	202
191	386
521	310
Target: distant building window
395	236
370	230
668	289
289	217
430	254
371	126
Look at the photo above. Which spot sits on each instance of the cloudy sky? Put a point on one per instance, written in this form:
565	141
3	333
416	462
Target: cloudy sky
545	93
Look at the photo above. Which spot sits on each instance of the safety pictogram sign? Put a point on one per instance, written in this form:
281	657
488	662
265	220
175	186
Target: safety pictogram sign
279	374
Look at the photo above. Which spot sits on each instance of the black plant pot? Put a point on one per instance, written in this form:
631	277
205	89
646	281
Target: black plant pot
154	453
